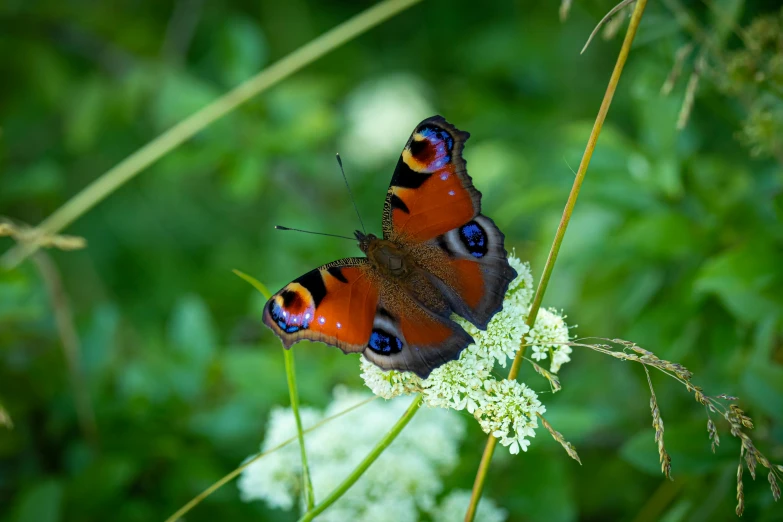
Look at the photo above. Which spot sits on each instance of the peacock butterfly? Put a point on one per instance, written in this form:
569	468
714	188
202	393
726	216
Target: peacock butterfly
439	255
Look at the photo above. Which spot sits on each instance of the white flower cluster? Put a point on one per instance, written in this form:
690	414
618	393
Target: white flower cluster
547	338
505	409
399	486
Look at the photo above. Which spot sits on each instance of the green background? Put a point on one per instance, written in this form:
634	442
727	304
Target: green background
675	243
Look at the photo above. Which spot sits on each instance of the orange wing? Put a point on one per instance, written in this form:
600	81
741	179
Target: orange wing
408	337
430	192
334	304
472	272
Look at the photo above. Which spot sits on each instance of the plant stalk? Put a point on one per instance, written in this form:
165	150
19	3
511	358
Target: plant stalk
489	449
294	392
181	512
127	169
368	460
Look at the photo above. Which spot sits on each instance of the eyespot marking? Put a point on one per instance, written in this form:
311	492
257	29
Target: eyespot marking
474	237
429	149
384	343
292	308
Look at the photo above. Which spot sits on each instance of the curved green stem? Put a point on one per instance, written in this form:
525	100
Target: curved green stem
127	169
368	460
294	393
181	512
489	449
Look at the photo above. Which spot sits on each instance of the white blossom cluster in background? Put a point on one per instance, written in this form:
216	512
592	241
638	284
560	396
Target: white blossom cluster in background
381	113
401	485
505	409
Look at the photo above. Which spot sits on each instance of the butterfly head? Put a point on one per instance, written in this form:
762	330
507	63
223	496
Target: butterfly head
364	240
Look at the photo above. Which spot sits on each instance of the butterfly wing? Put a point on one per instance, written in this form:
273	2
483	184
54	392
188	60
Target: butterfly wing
430	192
433	210
406	336
469	265
334	304
351	305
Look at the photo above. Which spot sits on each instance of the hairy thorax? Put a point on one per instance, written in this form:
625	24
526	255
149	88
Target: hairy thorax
389	259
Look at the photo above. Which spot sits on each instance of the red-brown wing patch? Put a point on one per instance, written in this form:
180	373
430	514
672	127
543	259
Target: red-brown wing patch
430	192
408	337
334	304
466	279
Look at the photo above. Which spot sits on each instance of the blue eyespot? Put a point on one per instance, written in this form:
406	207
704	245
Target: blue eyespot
443	144
384	343
474	238
288	322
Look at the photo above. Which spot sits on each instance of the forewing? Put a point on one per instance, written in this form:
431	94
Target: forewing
430	192
334	304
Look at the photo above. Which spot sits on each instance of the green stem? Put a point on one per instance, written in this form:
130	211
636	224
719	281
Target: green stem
489	449
127	169
294	392
181	512
368	460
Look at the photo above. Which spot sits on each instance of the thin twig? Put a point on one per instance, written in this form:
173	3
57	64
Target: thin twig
71	344
127	169
606	17
679	60
486	458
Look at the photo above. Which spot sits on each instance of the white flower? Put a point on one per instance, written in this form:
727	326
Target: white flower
399	486
381	114
455	504
506	409
549	335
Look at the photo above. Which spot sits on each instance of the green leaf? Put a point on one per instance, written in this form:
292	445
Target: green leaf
747	280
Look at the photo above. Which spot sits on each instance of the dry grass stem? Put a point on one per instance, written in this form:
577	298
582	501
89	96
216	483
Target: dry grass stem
565	8
679	61
66	329
713	433
740	492
613	26
605	19
737	419
773	484
39	238
690	92
554	381
271	75
665	459
5	418
559	438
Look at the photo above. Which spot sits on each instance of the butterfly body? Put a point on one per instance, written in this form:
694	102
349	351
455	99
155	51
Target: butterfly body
438	256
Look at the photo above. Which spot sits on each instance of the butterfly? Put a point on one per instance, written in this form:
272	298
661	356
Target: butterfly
438	256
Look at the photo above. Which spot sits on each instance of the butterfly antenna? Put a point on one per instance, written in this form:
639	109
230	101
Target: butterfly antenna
340	162
278	227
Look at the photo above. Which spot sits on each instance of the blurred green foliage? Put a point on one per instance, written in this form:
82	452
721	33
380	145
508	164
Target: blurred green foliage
676	242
